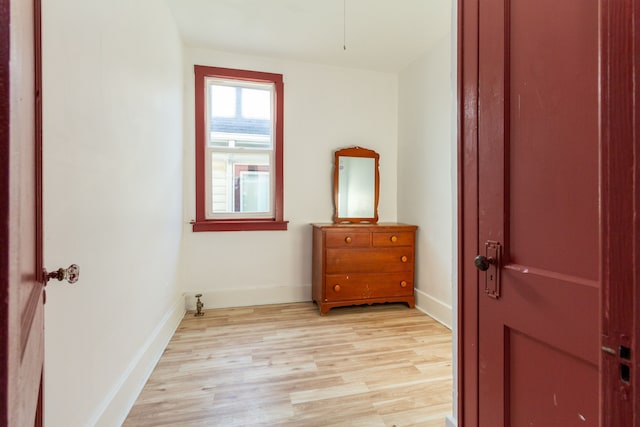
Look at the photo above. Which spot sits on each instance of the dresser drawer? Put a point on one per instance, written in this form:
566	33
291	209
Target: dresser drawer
401	238
369	260
362	286
346	239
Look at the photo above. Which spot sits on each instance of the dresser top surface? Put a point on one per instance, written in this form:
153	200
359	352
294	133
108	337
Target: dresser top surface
381	226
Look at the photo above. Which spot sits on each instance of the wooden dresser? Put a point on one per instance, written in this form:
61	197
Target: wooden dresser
362	264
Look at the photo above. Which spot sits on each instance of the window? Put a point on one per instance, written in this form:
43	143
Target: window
239	144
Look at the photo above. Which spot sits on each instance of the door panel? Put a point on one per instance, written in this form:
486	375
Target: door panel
538	197
22	322
553	126
548	369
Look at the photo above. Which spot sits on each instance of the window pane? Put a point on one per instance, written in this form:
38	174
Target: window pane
249	126
223	101
254	191
240	182
256	104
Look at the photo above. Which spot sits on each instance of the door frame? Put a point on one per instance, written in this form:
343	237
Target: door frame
620	195
9	332
468	238
5	102
619	149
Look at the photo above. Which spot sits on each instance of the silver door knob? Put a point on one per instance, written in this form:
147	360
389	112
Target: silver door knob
70	274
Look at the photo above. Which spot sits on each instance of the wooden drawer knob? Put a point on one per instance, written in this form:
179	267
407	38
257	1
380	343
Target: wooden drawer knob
403	284
394	239
404	258
348	239
336	288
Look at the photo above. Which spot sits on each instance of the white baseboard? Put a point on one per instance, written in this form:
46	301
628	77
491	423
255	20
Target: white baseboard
434	308
451	422
118	403
225	298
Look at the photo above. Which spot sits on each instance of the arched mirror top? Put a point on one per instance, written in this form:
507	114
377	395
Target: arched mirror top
356	185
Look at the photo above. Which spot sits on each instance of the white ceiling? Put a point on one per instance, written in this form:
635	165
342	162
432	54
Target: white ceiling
382	35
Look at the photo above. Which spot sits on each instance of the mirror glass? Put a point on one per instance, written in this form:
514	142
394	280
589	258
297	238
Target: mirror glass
356	185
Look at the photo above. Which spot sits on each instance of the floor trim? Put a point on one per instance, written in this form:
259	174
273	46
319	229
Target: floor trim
226	298
118	403
435	308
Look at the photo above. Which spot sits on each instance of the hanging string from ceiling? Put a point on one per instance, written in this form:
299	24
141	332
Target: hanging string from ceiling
344	24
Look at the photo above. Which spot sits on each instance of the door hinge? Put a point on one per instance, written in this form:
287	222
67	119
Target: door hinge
609	350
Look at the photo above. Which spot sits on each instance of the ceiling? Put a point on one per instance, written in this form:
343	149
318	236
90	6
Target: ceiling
381	35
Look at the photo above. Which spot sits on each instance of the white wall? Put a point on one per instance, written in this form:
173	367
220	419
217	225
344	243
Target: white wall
427	178
426	190
452	421
326	108
112	201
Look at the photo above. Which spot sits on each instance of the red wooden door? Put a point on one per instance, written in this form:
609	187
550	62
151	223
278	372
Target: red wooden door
537	213
21	290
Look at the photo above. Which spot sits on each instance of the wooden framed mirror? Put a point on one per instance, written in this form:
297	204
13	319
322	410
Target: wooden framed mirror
356	185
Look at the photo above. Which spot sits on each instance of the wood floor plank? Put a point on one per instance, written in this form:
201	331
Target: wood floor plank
284	365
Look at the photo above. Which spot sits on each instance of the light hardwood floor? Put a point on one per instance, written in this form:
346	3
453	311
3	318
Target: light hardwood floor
285	365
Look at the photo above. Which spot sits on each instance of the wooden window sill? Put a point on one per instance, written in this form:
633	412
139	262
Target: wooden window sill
239	225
